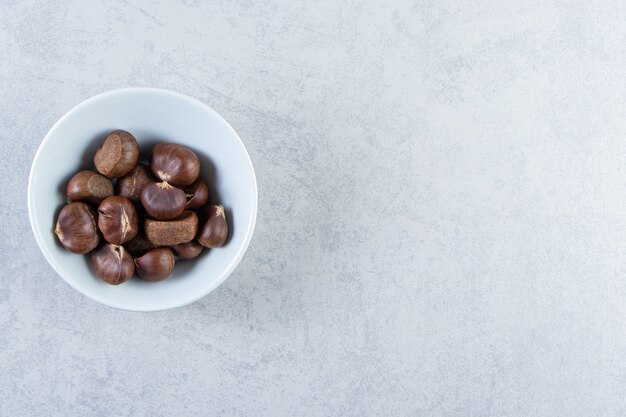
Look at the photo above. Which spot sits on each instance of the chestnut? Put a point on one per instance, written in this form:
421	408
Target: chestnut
175	164
139	245
113	264
162	201
172	232
117	155
187	250
131	184
197	194
213	229
89	186
117	219
76	228
155	265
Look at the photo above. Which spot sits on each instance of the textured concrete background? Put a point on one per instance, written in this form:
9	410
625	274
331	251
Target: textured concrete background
441	227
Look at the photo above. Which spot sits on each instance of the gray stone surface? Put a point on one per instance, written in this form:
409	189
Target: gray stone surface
441	226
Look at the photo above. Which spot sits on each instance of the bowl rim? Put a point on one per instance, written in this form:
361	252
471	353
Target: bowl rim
103	300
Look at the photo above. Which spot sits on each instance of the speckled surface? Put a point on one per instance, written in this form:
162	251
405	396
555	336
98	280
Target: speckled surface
441	226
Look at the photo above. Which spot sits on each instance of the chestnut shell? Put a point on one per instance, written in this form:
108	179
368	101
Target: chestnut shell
187	250
163	201
197	194
213	230
155	265
112	264
117	155
117	219
174	163
131	184
139	245
89	186
76	228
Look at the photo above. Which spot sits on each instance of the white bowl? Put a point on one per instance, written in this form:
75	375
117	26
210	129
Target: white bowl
151	115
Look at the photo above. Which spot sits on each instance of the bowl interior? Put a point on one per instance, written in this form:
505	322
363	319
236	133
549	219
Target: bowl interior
152	116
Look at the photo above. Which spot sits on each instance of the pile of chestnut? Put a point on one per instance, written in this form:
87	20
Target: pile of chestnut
137	217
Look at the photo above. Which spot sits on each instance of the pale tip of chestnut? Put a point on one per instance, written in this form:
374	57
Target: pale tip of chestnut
163	176
58	231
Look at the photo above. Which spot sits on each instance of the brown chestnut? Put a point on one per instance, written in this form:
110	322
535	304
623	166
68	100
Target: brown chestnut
197	194
76	228
172	232
155	265
163	201
89	186
113	264
117	219
139	245
175	164
117	155
131	184
213	229
187	250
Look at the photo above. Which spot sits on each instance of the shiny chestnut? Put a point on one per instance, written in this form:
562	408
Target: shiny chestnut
175	164
89	186
155	265
112	264
131	184
187	250
76	228
197	194
117	219
117	155
163	201
213	230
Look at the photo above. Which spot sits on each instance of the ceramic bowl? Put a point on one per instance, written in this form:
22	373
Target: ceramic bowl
151	115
